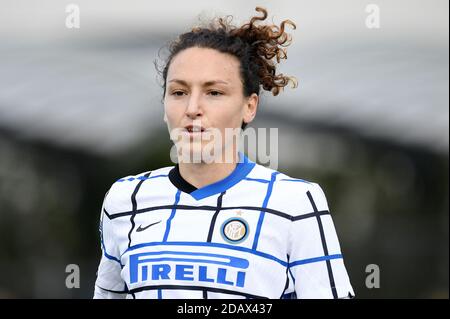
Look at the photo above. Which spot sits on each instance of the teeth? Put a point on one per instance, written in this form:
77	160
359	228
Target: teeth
194	129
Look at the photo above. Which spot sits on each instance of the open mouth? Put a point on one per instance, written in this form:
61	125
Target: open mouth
194	129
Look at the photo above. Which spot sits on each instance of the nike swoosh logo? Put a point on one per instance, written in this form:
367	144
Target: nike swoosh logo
140	228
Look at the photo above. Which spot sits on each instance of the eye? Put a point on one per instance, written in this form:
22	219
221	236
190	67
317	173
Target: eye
177	93
215	93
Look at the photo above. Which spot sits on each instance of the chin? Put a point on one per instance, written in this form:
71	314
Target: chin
190	153
199	153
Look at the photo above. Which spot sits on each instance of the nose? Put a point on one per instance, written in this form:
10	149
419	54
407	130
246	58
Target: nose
194	108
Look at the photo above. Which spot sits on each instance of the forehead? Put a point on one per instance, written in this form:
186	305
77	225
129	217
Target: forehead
202	65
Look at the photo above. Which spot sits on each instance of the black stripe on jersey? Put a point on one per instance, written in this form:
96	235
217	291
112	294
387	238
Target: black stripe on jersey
314	214
324	245
211	289
213	220
208	208
291	295
211	230
114	291
134	211
286	286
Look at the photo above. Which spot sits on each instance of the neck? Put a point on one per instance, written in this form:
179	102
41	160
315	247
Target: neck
203	174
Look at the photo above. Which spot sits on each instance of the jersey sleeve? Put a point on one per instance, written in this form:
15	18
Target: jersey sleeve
109	283
315	260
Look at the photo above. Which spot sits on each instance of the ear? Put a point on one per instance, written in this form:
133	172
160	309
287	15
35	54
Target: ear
250	108
165	118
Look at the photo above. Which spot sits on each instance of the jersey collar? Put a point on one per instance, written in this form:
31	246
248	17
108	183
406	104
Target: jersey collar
243	168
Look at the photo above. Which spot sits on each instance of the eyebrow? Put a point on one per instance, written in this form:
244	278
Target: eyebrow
207	83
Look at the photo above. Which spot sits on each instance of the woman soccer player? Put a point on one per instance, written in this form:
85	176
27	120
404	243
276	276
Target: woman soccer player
218	225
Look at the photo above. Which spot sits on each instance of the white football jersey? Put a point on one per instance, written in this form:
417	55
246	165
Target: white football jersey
257	233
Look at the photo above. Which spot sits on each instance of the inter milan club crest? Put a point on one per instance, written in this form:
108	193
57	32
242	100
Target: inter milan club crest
235	230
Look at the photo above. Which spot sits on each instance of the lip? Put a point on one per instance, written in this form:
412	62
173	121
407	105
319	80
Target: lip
194	129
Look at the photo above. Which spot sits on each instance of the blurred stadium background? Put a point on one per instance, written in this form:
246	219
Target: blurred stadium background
80	108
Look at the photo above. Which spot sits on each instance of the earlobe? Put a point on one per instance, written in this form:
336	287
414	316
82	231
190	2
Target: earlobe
252	106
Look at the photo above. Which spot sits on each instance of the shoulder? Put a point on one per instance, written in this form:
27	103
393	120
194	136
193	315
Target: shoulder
118	197
293	195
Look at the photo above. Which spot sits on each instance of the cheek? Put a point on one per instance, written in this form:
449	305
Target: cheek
172	113
231	117
170	120
233	121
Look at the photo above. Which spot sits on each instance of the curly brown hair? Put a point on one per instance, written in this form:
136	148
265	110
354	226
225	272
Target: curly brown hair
255	46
